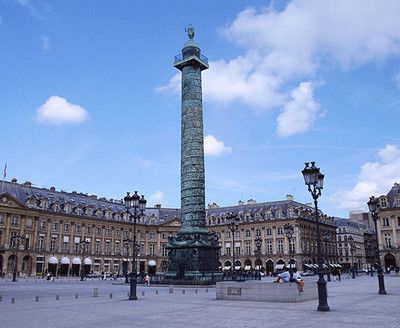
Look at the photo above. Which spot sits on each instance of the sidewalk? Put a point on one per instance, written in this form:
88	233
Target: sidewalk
353	302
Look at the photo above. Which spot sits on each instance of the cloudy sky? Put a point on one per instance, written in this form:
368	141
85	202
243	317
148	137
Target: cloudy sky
90	101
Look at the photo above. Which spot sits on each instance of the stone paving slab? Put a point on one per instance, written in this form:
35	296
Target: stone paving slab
353	302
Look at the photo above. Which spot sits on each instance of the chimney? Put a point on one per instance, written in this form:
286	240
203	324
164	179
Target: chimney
289	197
52	189
157	206
14	180
251	201
27	184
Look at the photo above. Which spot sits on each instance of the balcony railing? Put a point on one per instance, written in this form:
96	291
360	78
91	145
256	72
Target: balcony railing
179	58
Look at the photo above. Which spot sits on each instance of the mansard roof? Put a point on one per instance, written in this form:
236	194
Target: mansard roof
393	194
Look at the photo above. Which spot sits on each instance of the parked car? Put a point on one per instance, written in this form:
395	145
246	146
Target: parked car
307	273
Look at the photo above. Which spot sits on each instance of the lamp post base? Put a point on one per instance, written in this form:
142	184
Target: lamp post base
322	295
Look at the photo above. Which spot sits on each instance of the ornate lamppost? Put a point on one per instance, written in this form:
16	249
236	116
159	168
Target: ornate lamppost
373	206
289	231
233	225
15	242
258	242
327	237
83	245
350	239
314	181
138	205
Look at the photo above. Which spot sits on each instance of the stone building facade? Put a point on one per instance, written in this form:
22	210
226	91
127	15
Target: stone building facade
47	230
388	225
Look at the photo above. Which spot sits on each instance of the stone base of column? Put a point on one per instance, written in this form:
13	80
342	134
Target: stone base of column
192	258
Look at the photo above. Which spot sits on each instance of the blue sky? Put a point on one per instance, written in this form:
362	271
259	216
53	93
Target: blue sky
89	97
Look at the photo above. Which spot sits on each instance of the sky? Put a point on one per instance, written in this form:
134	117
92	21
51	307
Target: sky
90	100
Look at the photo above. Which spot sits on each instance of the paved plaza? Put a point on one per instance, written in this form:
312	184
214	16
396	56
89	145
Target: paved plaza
353	302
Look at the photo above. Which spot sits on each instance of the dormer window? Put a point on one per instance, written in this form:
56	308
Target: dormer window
67	208
78	210
396	202
383	202
44	204
279	214
56	207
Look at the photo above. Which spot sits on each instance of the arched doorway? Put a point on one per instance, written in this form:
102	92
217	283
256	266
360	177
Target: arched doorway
11	263
52	265
390	261
292	263
27	265
269	267
247	265
1	266
87	266
227	265
151	267
76	266
238	265
280	264
258	264
64	266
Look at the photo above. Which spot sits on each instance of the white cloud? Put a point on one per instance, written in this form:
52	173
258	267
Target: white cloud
214	147
284	47
375	179
45	42
157	198
143	162
300	112
57	110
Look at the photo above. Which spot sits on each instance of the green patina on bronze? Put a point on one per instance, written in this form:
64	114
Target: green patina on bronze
194	251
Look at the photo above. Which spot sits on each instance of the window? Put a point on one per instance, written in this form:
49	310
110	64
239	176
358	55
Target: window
87	228
398	220
163	235
152	249
117	233
292	245
66	227
107	248
1	218
280	230
396	202
55	225
247	233
108	231
269	246
14	220
117	249
227	234
388	240
152	235
258	233
40	245
65	247
53	244
164	251
97	247
248	248
77	228
280	245
98	230
228	249
268	232
383	202
237	248
237	234
386	222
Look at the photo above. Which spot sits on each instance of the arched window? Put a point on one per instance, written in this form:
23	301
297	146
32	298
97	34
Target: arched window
387	240
383	202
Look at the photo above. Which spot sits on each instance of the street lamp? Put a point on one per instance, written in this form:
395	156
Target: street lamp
327	237
350	239
15	242
373	206
83	245
258	242
289	231
314	181
136	203
233	225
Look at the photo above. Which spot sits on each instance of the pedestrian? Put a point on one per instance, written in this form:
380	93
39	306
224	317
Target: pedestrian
284	276
339	274
147	280
298	280
102	275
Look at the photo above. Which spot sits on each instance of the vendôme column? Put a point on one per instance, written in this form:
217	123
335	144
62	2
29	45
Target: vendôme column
194	251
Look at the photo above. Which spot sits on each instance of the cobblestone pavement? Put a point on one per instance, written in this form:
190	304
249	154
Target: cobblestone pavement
353	302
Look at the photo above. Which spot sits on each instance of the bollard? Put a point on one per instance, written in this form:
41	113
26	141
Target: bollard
37	299
142	292
183	291
195	291
95	292
12	300
111	295
57	297
1	298
206	290
171	290
76	295
156	291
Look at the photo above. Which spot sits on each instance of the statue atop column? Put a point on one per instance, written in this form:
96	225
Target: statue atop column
190	31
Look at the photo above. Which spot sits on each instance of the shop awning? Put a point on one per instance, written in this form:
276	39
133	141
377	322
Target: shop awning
227	268
53	260
65	260
152	263
279	266
238	267
87	261
247	267
77	260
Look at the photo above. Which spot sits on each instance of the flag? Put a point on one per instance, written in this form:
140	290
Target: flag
5	171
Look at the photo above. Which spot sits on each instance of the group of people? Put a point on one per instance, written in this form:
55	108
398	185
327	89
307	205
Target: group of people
293	276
